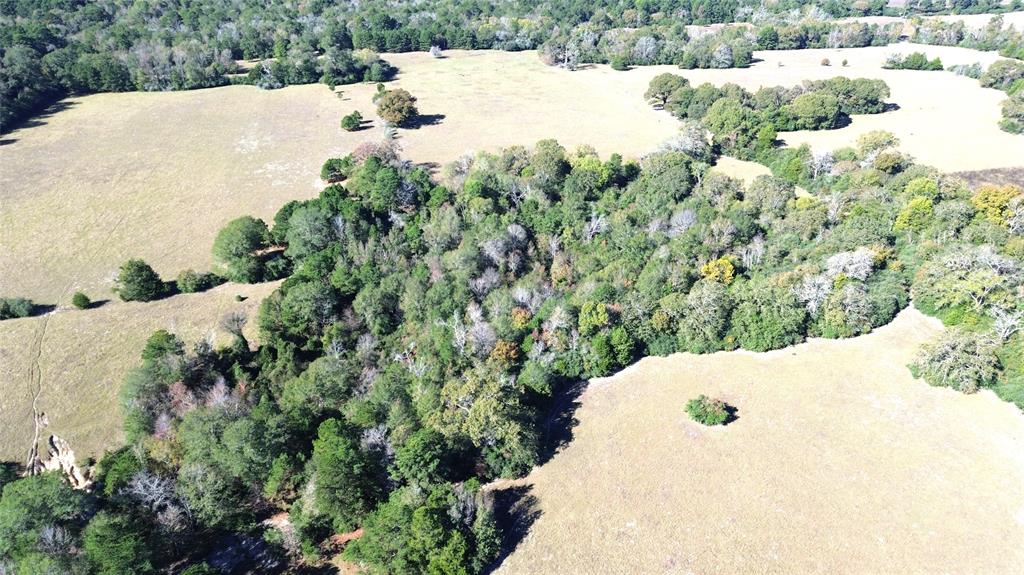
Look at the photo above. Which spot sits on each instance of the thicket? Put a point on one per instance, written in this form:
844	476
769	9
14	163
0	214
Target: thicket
913	61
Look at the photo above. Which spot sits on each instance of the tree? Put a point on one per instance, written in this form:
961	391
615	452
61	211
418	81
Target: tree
236	245
814	111
422	459
962	360
345	480
138	282
914	216
397	107
352	122
113	546
663	86
80	300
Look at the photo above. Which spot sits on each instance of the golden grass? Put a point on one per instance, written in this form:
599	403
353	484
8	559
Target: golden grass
76	360
839	462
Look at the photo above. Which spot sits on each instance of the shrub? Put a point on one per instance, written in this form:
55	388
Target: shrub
80	300
708	411
826	62
397	107
333	171
190	281
352	122
619	63
137	281
14	307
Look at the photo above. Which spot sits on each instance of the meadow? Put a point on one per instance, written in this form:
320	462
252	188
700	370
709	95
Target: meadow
838	461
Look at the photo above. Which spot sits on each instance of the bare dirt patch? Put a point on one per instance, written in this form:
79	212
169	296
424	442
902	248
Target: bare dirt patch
839	462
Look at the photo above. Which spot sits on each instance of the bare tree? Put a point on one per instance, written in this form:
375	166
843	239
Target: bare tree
1007	322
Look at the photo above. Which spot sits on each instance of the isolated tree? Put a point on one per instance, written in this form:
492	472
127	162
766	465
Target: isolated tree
352	122
397	107
236	245
80	300
138	282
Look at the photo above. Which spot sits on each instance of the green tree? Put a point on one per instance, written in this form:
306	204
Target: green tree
80	300
352	122
346	478
236	247
663	86
138	282
113	545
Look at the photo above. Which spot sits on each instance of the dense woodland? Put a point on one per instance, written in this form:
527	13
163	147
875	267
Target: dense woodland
52	48
428	326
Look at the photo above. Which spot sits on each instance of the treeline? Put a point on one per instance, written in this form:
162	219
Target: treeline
426	328
1005	75
671	42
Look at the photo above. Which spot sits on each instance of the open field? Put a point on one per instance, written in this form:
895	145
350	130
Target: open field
838	462
156	175
75	362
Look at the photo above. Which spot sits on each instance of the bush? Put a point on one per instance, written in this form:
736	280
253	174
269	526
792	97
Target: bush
708	411
189	281
619	63
137	281
80	300
352	122
14	307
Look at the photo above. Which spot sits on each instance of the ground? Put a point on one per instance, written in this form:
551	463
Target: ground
156	175
838	462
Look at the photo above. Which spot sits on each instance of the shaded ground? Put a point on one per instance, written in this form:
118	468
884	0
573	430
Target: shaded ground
839	462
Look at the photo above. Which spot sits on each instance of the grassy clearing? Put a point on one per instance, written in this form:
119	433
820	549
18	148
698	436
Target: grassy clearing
837	461
83	355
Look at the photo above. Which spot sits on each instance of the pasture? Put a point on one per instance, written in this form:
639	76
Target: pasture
838	462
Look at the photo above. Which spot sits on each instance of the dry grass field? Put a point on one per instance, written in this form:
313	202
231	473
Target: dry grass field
156	175
838	462
74	362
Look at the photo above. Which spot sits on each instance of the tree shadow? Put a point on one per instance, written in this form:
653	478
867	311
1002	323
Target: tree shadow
515	510
38	119
734	414
559	425
39	309
421	120
890	107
